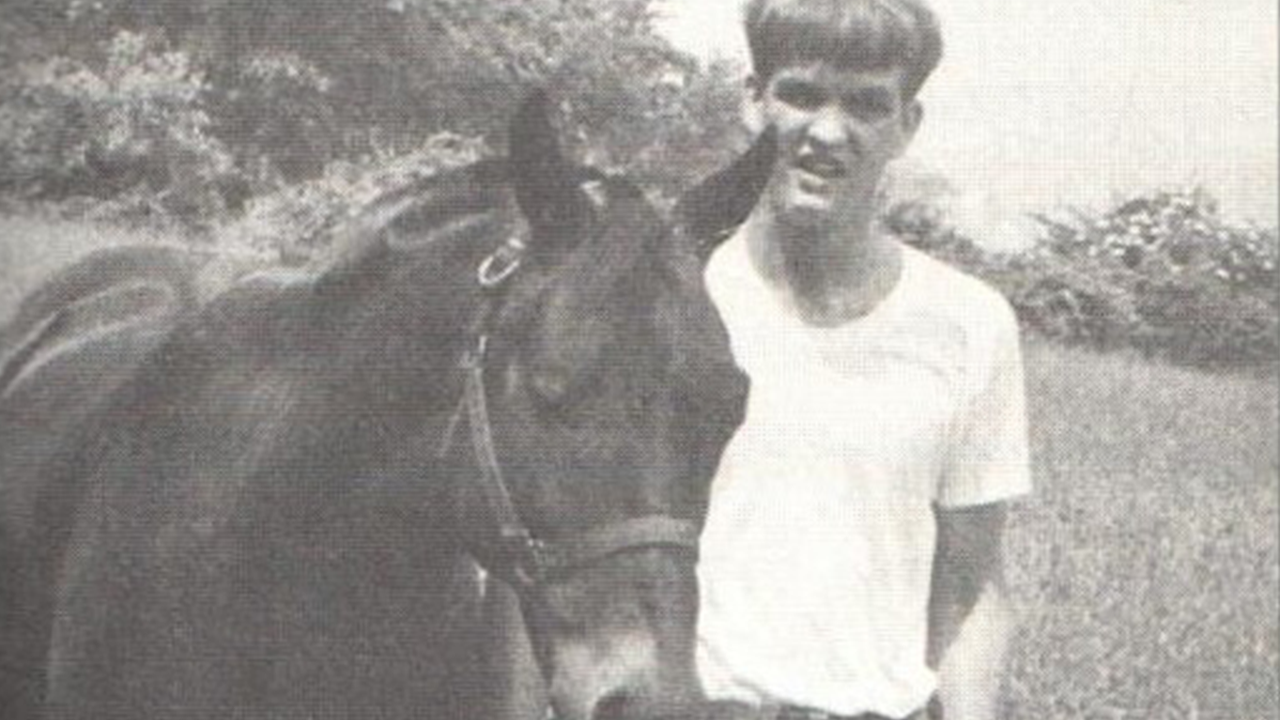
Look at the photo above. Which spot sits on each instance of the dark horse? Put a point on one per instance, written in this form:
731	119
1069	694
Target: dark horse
279	513
70	344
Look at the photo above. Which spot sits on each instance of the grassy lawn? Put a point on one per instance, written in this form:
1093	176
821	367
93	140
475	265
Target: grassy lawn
1145	566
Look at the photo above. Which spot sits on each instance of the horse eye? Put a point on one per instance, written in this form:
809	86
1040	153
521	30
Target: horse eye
550	385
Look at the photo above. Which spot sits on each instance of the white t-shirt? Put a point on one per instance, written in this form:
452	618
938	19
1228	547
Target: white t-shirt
818	549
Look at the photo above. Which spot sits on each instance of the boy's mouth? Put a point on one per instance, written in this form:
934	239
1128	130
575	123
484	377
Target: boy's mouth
821	166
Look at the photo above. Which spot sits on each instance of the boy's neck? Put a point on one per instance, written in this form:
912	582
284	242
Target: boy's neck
830	274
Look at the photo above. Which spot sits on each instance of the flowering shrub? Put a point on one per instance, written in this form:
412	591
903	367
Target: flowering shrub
1170	232
1176	279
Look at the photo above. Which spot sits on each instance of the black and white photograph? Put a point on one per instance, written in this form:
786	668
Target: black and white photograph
639	360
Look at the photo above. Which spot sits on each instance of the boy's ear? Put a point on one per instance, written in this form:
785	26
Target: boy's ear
912	116
753	105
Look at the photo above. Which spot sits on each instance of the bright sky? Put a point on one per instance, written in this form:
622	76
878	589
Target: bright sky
1044	103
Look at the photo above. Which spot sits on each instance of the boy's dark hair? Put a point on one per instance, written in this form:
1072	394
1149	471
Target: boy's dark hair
851	34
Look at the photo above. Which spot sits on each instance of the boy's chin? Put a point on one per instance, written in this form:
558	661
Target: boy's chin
800	209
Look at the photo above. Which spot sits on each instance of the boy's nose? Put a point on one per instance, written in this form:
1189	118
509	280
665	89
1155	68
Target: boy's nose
830	128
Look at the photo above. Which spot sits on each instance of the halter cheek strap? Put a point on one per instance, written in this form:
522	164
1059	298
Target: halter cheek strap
515	555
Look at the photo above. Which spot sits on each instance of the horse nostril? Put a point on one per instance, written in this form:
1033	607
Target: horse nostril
613	706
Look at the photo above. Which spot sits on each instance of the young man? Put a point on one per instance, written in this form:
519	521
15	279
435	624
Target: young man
851	564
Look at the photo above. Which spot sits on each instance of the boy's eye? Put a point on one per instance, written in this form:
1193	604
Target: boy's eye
801	95
871	105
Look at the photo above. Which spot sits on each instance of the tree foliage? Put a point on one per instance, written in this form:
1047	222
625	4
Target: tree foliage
132	125
296	84
274	119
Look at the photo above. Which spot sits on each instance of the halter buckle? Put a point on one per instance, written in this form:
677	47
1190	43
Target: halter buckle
501	263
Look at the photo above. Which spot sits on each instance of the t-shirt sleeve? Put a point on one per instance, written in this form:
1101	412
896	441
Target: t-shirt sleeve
988	459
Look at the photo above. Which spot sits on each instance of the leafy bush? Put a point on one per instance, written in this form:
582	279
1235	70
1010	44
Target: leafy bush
689	128
298	222
1171	276
1161	272
286	88
276	112
131	129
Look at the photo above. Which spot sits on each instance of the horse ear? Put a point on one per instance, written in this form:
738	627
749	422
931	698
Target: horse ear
543	179
709	212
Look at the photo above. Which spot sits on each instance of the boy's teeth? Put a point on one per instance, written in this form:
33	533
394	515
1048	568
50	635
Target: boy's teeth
818	167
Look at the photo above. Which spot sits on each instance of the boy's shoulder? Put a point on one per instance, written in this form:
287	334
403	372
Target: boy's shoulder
954	293
955	309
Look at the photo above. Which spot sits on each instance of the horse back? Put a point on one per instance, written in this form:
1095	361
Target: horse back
256	527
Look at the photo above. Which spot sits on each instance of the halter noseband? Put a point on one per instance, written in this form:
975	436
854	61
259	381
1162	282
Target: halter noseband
515	555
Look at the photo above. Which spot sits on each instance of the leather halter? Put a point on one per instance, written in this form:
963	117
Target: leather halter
515	554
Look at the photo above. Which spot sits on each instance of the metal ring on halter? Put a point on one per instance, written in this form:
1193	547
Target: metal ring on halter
501	263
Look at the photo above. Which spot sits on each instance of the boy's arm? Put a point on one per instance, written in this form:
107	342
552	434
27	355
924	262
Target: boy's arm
969	616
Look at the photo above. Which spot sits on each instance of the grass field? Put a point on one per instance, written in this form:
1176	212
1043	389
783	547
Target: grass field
1145	566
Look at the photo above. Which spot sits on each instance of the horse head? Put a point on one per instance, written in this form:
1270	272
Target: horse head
599	392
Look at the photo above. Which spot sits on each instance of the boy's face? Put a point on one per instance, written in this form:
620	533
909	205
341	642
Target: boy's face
837	129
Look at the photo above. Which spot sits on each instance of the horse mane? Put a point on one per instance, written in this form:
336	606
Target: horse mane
429	212
395	295
400	291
